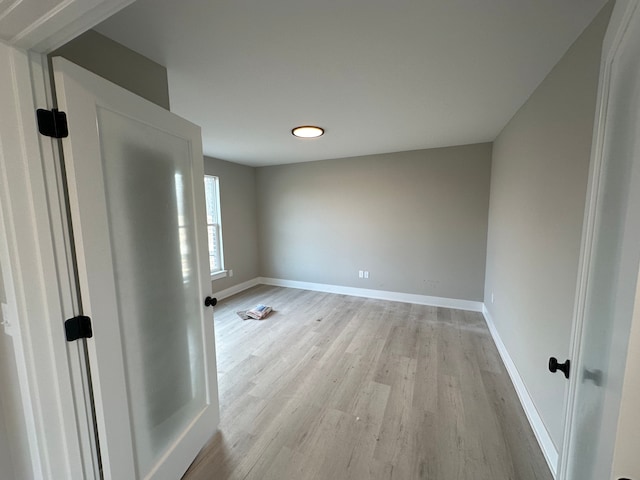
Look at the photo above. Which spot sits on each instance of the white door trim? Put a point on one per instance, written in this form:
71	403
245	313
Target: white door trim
618	25
62	23
35	292
36	265
64	254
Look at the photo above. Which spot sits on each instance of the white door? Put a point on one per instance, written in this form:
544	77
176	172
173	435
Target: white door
136	192
612	257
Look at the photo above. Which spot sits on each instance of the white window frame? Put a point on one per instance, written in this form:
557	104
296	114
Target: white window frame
214	220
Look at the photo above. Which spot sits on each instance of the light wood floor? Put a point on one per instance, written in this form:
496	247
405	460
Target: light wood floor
336	387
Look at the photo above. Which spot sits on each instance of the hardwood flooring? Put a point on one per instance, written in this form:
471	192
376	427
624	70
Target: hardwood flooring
333	387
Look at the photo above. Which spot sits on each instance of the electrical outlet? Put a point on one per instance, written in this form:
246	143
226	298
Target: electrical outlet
230	272
491	297
366	274
360	274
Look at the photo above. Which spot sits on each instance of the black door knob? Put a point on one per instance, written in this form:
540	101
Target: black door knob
210	302
554	366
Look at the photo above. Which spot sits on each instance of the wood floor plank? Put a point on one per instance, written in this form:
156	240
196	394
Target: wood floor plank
333	387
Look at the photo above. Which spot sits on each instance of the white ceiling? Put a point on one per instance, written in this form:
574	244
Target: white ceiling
379	75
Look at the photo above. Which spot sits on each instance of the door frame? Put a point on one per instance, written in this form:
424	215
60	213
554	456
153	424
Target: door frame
623	13
36	255
39	282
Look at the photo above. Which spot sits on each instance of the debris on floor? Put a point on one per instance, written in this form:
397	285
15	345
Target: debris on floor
259	312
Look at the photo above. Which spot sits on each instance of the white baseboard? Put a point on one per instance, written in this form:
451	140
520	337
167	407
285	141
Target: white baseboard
542	434
227	292
379	294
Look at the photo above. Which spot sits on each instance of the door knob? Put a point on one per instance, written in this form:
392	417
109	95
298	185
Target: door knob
210	302
554	366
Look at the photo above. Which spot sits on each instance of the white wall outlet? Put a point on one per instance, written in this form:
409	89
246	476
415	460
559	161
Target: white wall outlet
230	272
360	274
491	297
366	274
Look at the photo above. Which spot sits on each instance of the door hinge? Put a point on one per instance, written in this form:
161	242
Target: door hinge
52	123
78	327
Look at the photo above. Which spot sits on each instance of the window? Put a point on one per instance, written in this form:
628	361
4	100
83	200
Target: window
214	229
182	228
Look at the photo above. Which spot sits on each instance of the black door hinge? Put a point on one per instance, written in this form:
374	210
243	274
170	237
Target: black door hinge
78	327
52	123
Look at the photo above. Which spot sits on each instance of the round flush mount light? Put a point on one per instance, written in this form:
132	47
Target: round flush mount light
307	131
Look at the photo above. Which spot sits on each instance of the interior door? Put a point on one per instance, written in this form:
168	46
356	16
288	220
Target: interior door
611	272
136	194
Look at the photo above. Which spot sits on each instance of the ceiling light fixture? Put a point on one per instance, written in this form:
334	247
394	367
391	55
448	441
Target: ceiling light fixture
307	131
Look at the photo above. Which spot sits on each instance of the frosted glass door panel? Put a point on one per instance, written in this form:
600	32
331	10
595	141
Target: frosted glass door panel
147	176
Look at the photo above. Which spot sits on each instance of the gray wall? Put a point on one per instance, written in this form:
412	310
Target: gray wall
239	223
538	189
417	221
118	64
